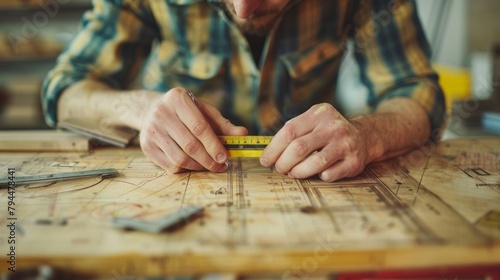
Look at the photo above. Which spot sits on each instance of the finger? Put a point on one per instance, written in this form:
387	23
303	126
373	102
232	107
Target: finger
165	164
221	125
164	152
157	145
345	168
177	158
298	151
278	144
164	130
191	147
318	115
322	153
315	164
291	131
197	138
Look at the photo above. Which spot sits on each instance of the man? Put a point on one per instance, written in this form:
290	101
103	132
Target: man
255	66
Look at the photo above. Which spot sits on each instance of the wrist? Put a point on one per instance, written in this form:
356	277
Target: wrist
371	136
132	107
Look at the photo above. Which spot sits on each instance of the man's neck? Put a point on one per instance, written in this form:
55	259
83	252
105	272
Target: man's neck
256	44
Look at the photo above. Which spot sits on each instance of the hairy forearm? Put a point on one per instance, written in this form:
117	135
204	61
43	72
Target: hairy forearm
97	102
397	126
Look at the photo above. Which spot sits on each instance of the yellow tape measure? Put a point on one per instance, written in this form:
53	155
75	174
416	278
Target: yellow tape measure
245	146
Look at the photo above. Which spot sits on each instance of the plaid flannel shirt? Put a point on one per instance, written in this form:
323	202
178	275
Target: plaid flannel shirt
193	44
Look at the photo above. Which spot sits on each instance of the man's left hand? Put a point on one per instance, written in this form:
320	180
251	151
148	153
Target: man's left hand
320	141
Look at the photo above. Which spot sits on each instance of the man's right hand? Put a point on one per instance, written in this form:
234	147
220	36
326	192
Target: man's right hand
178	136
175	133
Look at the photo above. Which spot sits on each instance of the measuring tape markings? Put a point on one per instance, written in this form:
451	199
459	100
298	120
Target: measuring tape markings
249	146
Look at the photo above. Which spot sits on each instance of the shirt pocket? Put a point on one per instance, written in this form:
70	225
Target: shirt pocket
201	66
313	70
168	68
199	72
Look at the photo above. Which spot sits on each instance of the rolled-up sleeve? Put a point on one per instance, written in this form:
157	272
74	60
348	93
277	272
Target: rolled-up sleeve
113	41
394	57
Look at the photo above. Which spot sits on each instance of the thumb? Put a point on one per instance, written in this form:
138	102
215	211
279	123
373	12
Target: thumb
221	125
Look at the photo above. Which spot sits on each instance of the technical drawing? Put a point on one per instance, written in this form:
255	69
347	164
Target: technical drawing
391	205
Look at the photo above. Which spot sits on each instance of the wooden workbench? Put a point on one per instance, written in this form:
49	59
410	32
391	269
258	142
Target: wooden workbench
438	206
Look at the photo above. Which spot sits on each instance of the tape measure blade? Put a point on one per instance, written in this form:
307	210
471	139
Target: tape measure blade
245	146
244	153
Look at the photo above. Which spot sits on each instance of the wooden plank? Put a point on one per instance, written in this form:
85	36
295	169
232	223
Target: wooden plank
410	212
43	140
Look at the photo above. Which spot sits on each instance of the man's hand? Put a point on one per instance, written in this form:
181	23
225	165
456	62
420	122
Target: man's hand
321	141
178	136
174	133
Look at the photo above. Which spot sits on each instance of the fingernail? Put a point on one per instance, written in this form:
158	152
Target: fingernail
324	176
221	158
223	168
264	161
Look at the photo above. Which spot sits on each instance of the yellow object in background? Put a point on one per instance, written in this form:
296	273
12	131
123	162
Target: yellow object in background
456	83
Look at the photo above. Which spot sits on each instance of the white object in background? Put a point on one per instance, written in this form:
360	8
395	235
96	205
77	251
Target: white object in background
482	75
352	94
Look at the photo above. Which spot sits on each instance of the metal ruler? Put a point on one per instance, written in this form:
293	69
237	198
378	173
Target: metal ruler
23	180
248	146
168	222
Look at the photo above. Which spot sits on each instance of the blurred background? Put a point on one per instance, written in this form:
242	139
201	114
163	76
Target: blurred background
32	34
462	33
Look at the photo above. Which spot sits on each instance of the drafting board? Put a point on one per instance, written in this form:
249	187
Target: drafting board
258	221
